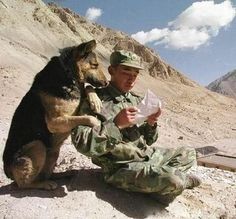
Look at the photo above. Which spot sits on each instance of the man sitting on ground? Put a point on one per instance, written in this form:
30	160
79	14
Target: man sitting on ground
123	149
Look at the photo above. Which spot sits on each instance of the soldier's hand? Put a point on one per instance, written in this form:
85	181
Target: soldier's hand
125	118
152	119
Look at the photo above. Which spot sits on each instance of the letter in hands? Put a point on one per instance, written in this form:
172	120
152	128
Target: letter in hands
127	117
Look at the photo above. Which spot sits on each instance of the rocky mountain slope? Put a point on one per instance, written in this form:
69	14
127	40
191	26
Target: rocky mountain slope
225	85
30	34
154	64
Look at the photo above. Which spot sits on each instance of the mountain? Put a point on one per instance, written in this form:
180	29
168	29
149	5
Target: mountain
108	38
31	32
225	85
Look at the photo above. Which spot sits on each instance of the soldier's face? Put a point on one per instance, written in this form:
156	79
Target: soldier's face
123	77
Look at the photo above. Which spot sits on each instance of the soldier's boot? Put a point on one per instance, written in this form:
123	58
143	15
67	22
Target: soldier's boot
192	181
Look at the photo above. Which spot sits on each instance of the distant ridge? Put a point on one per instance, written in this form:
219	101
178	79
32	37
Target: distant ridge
225	85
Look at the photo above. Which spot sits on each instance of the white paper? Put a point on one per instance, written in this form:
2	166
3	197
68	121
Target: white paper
148	106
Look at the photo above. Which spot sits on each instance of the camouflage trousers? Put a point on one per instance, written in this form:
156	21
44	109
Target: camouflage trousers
163	173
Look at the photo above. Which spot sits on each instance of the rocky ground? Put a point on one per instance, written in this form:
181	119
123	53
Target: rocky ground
85	195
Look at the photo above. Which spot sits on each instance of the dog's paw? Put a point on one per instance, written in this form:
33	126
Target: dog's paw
49	185
95	102
92	121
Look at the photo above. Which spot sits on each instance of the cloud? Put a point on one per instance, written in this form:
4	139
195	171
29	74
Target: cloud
93	13
185	38
193	27
153	35
207	15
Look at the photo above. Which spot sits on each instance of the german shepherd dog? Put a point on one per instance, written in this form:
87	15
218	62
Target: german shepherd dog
47	114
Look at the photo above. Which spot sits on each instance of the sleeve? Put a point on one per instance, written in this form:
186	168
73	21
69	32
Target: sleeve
104	139
150	133
96	141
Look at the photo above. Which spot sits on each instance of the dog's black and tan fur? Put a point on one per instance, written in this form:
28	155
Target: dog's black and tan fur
47	114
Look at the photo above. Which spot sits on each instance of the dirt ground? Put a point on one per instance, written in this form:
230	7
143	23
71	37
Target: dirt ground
85	195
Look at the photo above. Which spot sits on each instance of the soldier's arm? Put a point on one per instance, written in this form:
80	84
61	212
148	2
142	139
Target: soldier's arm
96	141
150	133
149	129
102	139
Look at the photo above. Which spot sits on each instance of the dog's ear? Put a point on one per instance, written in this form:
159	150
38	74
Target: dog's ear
90	46
85	48
110	70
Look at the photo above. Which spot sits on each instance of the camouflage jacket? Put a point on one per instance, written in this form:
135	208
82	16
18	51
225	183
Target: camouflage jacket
107	139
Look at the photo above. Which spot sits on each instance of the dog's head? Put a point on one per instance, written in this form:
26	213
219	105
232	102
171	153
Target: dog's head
87	66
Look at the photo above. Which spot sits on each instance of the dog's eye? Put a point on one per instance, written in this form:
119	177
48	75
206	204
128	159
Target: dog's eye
94	65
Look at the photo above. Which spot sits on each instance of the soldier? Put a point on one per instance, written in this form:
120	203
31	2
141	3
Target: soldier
123	149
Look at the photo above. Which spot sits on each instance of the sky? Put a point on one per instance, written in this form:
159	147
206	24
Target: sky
198	38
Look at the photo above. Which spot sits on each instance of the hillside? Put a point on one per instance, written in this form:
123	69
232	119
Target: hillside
108	38
30	34
225	85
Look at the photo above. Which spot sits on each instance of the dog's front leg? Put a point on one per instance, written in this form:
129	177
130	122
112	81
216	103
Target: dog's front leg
52	156
65	124
94	101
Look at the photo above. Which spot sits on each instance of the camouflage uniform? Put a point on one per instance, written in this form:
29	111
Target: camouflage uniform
126	156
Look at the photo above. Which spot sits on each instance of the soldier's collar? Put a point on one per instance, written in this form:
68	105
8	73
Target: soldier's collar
117	95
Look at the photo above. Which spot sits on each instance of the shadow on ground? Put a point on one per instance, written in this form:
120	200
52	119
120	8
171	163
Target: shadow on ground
135	205
14	191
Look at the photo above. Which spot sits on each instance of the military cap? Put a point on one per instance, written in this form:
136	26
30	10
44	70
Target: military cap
127	58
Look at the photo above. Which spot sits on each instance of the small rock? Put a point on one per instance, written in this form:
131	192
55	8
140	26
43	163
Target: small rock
223	216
